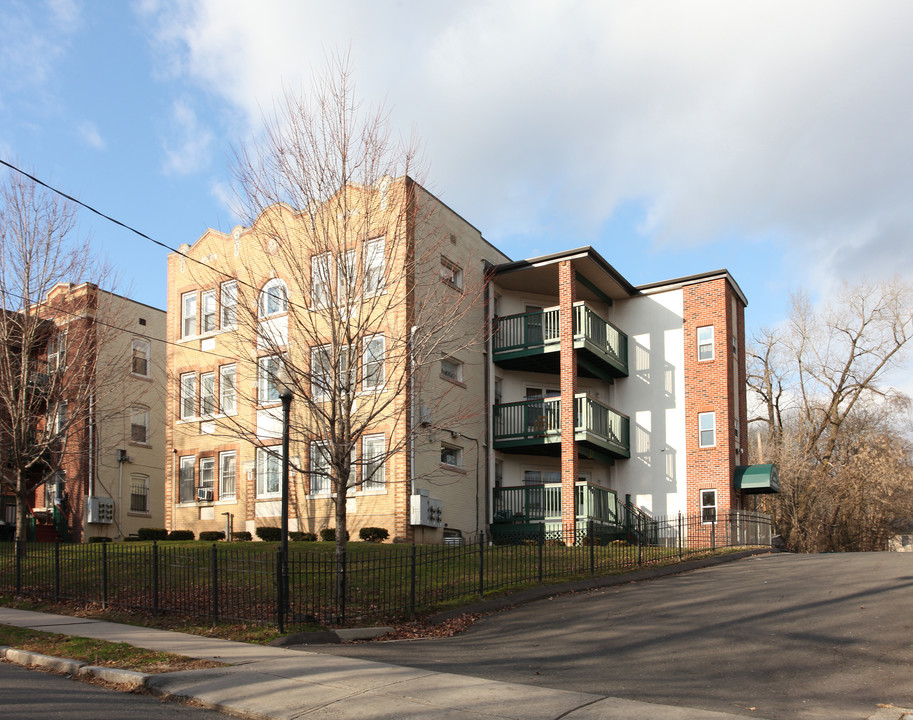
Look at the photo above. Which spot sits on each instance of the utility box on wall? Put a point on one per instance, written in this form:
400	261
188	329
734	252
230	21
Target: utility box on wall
424	510
100	510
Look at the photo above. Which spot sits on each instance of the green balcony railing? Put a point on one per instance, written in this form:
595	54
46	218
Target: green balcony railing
527	420
594	419
591	327
526	331
542	503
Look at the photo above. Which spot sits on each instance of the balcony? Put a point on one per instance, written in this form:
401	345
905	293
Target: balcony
531	341
534	427
525	507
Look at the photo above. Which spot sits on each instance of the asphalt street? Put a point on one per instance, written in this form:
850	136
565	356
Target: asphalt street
777	636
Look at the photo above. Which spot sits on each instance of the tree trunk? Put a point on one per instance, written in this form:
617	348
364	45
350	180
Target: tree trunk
340	556
22	508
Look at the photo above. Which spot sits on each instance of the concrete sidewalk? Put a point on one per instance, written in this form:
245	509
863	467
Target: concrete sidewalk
266	682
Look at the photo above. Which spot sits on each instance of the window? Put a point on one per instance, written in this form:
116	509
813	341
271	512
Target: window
207	468
57	352
188	314
375	266
139	425
188	396
185	483
451	455
321	372
227	464
320	470
373	363
273	298
452	369
229	303
58	420
320	280
705	343
540	477
140	362
451	273
269	370
269	471
207	394
707	428
372	462
208	302
227	393
55	489
347	277
708	506
139	493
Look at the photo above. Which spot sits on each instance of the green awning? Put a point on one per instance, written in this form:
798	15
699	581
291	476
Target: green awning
757	479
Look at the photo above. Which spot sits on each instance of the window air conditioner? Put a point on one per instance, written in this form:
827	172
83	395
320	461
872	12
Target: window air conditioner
204	494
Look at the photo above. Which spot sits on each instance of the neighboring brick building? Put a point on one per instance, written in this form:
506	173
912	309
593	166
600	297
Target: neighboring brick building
101	368
547	414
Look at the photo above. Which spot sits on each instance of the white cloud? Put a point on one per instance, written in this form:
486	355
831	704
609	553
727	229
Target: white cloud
88	131
722	119
188	152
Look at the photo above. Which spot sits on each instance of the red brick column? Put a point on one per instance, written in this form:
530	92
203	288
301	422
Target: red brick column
566	297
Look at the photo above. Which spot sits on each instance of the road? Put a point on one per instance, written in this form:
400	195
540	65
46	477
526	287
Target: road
27	694
776	636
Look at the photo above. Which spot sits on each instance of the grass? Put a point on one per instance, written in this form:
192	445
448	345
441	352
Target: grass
99	652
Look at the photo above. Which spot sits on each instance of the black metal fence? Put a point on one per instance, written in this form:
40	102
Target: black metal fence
240	583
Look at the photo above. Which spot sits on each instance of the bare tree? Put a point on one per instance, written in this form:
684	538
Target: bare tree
51	333
357	290
836	432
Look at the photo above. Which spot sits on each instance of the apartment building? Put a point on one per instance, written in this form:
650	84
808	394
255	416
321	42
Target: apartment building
512	393
98	378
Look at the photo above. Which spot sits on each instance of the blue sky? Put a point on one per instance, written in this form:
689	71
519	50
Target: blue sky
770	138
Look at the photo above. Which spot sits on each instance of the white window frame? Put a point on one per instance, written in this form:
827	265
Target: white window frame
59	419
706	423
208	406
228	475
705	343
269	465
141	483
187	463
188	314
139	418
321	482
373	371
320	280
373	459
267	370
188	395
454	373
228	304
208	311
57	352
271	302
451	273
228	393
714	507
451	451
375	266
207	478
347	277
142	351
321	374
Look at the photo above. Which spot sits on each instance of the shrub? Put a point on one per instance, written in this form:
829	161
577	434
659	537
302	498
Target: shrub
152	534
329	535
131	538
99	539
212	535
302	536
373	534
180	535
269	533
241	536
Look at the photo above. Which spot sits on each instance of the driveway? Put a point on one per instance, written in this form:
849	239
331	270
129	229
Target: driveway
774	636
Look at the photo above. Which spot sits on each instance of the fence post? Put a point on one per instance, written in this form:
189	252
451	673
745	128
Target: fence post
713	536
680	539
155	578
280	605
19	553
592	538
57	570
481	565
412	586
541	549
215	585
639	548
104	575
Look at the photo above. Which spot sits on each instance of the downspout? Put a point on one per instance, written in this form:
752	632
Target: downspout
412	412
486	353
91	445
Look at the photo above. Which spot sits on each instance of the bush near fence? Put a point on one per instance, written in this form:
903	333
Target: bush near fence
239	582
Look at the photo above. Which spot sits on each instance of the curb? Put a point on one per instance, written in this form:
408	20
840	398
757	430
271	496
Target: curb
74	668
